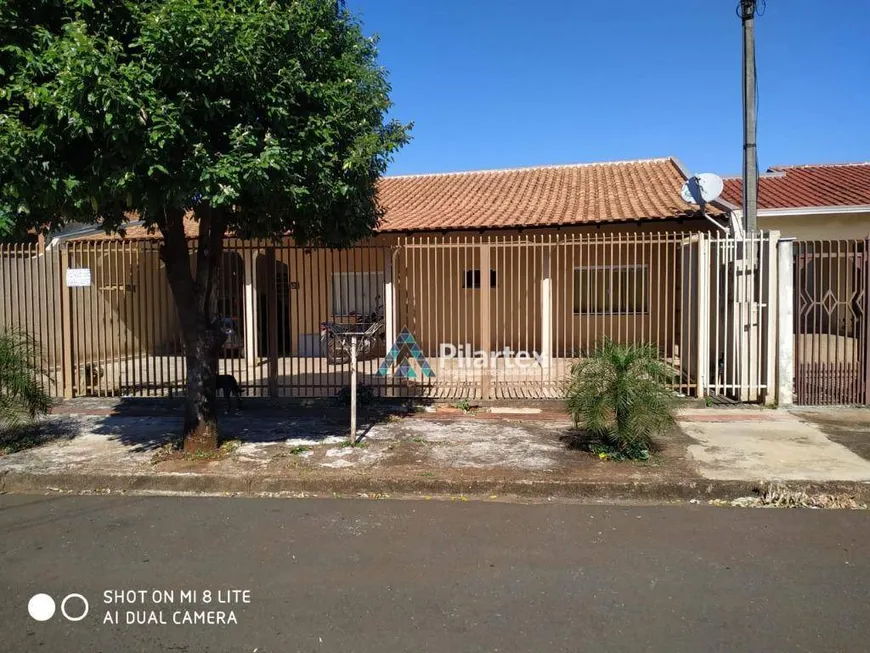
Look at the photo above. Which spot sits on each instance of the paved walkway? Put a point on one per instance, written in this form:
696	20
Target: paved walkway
771	445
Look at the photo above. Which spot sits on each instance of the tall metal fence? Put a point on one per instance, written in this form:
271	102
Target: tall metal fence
472	317
831	311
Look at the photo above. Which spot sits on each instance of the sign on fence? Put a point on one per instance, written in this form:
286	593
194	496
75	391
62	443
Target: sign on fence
78	277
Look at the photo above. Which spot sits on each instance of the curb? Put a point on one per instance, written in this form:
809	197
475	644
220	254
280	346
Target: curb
29	483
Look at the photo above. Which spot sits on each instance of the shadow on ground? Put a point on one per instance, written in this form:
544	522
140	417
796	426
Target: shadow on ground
147	424
35	434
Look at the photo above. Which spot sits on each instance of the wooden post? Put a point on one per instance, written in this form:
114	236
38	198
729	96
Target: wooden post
66	324
485	331
353	390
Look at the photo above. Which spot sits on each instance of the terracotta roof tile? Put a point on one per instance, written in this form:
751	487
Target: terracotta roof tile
624	191
844	184
535	197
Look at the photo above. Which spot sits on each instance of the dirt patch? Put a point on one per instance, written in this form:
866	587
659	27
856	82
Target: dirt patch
414	449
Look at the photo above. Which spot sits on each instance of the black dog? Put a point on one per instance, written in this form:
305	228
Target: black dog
231	388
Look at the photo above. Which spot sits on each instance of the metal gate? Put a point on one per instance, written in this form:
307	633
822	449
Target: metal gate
831	322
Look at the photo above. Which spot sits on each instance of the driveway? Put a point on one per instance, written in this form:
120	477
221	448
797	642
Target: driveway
758	444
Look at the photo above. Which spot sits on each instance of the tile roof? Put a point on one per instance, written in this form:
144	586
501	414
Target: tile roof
549	196
842	184
546	196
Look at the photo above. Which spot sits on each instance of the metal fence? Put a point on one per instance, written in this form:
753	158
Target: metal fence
489	317
830	349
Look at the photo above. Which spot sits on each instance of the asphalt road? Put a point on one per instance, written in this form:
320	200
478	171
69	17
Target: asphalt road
382	576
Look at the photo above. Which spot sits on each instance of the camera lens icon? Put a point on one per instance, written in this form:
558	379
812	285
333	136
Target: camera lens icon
42	607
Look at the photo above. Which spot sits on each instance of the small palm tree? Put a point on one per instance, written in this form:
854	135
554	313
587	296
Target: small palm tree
22	395
620	393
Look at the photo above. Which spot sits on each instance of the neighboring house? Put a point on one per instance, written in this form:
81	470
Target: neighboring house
811	202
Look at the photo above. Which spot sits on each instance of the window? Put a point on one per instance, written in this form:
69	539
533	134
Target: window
611	290
357	292
472	279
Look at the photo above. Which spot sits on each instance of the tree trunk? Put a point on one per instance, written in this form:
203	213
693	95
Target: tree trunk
195	292
201	431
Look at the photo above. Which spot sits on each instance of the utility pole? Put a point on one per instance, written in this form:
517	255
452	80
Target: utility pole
750	127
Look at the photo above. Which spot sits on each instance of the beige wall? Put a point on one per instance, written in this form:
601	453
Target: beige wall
129	308
819	227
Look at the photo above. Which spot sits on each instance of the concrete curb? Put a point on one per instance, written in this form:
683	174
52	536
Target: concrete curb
29	483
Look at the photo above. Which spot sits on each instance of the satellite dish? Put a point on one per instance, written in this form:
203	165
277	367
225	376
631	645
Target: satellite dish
702	189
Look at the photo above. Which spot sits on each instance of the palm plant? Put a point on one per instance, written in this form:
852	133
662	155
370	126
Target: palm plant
22	395
620	394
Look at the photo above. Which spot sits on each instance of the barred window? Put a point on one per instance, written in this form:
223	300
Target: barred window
611	290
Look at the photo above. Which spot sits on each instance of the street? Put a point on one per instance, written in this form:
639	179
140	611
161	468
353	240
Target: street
378	576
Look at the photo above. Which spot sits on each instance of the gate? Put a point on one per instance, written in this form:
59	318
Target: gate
831	322
506	317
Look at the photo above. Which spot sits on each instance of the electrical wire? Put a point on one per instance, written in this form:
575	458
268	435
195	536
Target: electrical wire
756	8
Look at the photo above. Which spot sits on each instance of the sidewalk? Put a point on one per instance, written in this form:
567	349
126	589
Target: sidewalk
715	454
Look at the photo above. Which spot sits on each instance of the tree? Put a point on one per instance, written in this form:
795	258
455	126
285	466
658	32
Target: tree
621	394
261	117
22	395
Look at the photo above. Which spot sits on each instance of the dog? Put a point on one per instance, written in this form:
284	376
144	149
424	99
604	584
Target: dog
92	374
227	384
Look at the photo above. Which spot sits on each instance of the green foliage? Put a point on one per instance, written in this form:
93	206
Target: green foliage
22	396
463	405
620	394
271	111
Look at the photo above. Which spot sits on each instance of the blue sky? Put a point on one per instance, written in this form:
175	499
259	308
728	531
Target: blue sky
506	83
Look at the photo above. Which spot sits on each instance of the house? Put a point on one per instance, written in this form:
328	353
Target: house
502	277
827	209
811	202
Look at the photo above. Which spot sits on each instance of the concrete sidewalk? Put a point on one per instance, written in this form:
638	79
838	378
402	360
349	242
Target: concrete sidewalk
716	453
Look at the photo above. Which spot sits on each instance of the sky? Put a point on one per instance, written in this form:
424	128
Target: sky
511	83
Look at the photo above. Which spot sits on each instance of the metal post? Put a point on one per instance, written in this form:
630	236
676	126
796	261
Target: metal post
66	324
785	318
389	299
702	295
546	310
866	307
772	314
353	390
272	321
250	309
